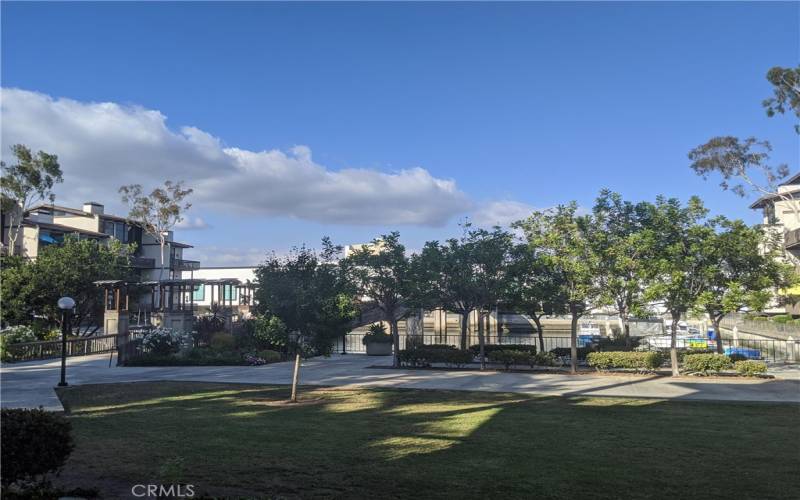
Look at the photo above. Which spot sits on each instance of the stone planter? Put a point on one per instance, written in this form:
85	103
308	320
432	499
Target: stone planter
379	348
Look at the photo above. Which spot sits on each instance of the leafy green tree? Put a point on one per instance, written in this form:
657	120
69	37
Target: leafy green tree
534	287
309	293
622	242
786	92
157	212
381	272
28	181
32	288
463	275
682	261
564	240
744	271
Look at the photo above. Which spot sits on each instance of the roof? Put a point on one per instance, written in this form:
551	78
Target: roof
73	211
62	228
761	202
795	179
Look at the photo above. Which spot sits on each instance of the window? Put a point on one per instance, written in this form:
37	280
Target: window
230	292
108	227
116	229
199	293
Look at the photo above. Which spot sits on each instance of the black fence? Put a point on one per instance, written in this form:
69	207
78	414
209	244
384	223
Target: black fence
770	350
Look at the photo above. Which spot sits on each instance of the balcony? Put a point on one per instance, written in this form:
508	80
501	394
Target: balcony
142	263
185	265
791	239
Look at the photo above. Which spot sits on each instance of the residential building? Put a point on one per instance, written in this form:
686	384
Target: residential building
781	216
48	224
215	286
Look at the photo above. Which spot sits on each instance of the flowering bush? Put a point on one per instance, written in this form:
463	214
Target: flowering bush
262	357
162	341
14	335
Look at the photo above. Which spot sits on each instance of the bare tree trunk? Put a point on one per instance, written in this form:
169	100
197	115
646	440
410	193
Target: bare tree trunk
295	377
627	333
718	333
573	343
537	320
481	342
673	351
395	341
161	271
464	326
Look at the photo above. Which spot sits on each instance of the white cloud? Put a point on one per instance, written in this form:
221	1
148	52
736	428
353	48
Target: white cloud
501	213
102	146
189	223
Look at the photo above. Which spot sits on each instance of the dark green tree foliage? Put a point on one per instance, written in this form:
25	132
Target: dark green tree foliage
310	294
682	263
33	287
381	272
29	180
34	443
744	270
622	241
564	240
534	288
786	92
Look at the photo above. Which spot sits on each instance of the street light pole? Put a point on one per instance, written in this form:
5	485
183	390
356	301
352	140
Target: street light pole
66	304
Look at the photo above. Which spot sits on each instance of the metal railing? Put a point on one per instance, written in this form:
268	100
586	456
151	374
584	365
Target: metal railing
82	346
767	349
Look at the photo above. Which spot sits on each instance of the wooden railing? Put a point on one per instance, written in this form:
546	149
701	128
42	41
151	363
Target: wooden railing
52	348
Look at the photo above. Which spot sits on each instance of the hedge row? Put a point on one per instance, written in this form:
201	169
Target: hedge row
750	368
427	355
706	363
511	357
567	352
489	348
647	361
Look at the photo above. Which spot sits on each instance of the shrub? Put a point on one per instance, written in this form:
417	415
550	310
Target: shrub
616	344
14	335
425	356
162	341
735	357
782	318
706	363
222	341
197	356
269	332
34	442
643	361
377	334
567	352
253	359
270	356
750	368
205	327
488	348
543	359
510	357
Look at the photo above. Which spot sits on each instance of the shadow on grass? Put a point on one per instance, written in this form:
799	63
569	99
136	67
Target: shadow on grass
400	443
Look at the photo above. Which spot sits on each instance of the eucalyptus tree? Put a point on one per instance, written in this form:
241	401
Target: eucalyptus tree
786	92
622	240
27	181
682	262
564	240
157	212
381	272
535	288
744	271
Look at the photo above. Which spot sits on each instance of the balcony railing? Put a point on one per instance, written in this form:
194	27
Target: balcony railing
185	265
792	238
142	263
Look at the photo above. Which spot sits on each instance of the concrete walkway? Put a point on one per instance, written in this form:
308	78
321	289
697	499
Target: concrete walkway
31	384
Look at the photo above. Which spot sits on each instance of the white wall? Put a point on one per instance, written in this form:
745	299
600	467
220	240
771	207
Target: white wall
241	273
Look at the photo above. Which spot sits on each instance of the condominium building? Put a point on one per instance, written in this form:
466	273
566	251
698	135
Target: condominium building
781	215
45	225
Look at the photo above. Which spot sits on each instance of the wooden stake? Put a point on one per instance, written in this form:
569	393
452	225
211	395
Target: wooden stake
295	377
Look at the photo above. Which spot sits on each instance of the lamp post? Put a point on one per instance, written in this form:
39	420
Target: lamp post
66	304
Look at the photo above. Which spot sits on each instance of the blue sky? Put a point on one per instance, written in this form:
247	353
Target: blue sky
519	104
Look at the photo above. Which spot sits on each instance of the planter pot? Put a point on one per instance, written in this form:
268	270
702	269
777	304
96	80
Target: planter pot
379	348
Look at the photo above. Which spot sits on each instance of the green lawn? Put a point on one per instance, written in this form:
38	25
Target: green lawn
243	440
